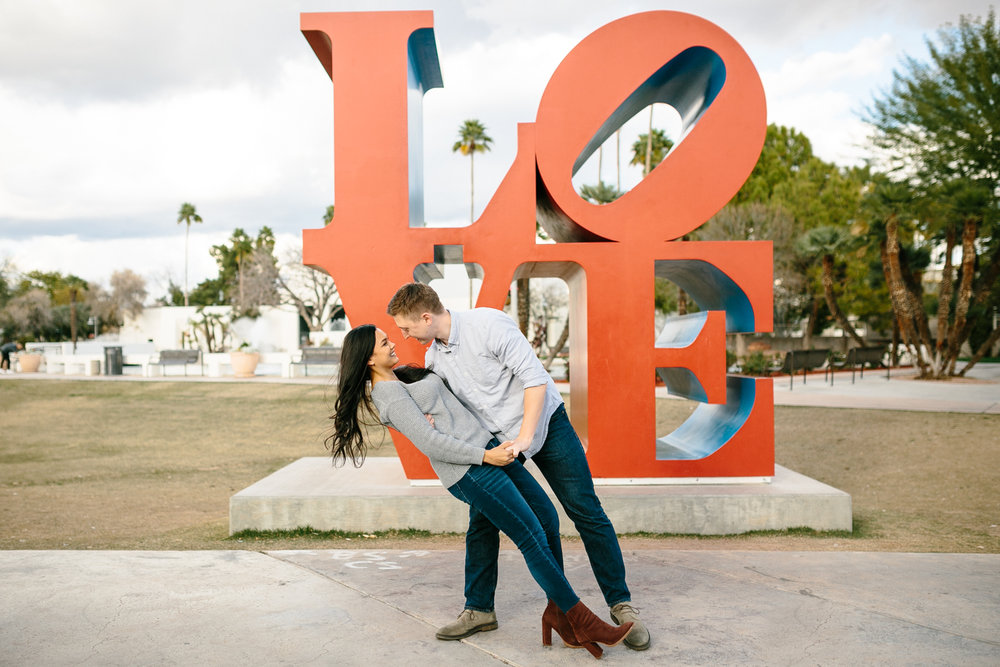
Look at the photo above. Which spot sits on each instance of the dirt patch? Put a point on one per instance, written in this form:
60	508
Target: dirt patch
143	465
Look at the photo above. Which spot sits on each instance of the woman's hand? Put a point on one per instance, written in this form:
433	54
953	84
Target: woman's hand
498	456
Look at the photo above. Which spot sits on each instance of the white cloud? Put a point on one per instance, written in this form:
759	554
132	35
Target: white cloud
824	69
113	159
115	113
821	95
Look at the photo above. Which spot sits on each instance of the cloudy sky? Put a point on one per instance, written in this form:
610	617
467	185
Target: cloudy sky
114	113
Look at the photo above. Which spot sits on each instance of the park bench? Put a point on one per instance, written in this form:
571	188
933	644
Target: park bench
857	357
804	360
179	358
318	356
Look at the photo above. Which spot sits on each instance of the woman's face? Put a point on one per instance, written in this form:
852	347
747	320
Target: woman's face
384	355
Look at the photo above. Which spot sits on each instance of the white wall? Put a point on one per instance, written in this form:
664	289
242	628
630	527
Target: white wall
276	330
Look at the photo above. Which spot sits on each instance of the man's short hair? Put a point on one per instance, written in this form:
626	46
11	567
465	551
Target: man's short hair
415	299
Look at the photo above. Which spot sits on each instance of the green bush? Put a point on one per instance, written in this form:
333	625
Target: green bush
756	363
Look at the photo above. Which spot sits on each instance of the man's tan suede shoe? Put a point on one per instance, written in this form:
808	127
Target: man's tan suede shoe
638	638
469	622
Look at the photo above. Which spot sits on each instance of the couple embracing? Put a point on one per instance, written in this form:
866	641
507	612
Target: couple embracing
481	406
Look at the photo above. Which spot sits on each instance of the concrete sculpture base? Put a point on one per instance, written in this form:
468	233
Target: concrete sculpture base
311	492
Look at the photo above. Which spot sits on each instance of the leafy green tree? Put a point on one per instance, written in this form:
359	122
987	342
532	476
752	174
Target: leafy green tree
247	271
939	120
785	152
938	129
6	281
328	215
187	215
64	293
803	192
28	315
472	139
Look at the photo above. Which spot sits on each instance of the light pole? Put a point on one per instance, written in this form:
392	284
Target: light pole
92	321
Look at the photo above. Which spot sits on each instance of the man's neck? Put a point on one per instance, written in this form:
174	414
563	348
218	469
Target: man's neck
443	327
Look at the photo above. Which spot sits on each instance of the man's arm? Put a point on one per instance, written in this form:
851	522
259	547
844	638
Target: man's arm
534	401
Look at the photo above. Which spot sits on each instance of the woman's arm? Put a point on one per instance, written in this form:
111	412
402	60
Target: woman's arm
402	413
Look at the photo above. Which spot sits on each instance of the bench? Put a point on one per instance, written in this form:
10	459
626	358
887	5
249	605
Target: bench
804	360
318	356
857	357
179	358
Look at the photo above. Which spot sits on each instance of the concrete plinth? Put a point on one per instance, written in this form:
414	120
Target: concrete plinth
311	492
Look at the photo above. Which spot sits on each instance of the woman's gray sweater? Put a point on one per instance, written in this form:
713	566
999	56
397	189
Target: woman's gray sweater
456	441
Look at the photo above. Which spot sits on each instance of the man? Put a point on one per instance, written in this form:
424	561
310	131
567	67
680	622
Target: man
492	369
5	352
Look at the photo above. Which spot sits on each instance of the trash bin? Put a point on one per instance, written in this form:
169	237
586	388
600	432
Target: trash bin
112	360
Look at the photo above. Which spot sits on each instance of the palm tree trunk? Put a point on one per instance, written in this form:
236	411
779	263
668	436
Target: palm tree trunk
187	236
600	163
472	186
894	359
981	352
523	305
72	316
554	352
944	293
898	293
810	324
964	289
649	145
831	301
618	159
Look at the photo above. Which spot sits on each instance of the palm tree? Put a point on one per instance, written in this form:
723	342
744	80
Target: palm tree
824	242
472	139
187	214
650	149
602	193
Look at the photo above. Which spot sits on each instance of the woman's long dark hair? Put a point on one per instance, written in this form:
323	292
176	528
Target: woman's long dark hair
353	399
347	439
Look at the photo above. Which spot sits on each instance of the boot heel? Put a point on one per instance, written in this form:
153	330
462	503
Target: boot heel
546	634
594	649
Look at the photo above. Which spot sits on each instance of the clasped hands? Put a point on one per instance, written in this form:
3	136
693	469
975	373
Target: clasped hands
504	454
498	456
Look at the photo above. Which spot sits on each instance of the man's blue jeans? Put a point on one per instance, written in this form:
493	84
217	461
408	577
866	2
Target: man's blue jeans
563	463
500	495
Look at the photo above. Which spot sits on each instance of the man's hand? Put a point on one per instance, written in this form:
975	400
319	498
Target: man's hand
498	456
516	446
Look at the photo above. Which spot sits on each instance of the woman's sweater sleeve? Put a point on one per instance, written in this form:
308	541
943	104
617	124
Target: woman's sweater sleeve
398	409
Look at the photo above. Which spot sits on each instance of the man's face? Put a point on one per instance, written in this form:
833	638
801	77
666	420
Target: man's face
417	327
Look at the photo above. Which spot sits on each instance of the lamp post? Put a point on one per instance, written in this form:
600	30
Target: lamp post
92	321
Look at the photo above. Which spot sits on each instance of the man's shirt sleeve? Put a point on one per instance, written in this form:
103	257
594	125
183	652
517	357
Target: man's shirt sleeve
506	342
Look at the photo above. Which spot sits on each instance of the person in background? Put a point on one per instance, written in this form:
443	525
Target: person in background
5	351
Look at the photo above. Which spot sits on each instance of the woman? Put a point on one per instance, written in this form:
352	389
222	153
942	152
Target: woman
469	463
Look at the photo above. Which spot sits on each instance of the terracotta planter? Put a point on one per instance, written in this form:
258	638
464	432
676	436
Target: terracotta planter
30	362
244	363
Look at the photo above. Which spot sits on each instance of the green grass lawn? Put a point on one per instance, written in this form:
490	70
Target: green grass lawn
151	465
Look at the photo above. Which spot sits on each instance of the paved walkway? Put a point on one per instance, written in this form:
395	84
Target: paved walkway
382	607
